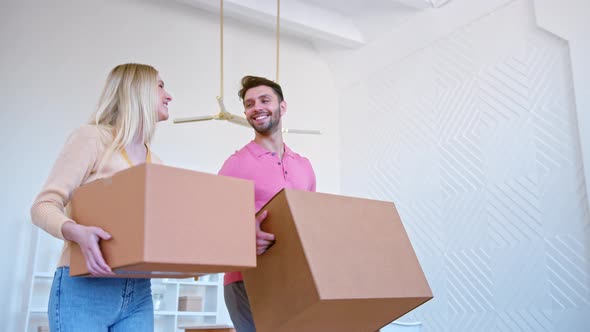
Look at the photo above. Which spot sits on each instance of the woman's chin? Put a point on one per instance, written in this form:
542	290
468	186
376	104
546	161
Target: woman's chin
163	116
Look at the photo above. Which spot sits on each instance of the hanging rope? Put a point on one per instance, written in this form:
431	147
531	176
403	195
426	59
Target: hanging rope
278	36
221	48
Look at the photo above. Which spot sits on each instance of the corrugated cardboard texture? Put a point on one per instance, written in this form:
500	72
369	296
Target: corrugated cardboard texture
168	222
339	264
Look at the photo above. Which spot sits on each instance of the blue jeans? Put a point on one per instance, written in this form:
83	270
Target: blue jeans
99	304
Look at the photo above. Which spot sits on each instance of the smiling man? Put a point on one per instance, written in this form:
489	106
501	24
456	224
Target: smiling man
272	166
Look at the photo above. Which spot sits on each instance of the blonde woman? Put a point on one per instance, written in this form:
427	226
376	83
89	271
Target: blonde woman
117	137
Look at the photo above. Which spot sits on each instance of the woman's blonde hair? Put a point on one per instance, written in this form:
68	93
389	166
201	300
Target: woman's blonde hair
128	105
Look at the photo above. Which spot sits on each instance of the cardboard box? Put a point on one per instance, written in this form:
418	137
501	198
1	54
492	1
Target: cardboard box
190	303
339	264
209	328
168	222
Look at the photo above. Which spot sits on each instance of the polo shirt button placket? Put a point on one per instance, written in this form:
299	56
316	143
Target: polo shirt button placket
283	170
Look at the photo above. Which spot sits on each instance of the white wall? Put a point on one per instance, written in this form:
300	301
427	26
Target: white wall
570	20
465	117
55	57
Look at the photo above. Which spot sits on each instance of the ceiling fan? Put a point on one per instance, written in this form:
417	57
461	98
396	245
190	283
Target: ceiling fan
223	113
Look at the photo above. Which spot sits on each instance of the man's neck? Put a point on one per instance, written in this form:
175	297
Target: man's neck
273	142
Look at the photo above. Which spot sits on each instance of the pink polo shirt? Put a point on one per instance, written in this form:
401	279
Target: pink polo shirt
270	175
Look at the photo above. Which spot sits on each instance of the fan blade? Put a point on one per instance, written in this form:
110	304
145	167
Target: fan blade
225	115
194	118
239	120
301	131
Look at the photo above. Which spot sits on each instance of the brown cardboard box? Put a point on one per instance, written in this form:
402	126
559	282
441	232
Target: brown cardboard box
339	264
209	328
190	303
168	222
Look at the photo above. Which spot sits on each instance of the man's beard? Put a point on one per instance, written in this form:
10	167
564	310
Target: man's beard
269	127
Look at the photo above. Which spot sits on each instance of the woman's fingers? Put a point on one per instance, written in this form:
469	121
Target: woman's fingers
101	233
95	262
101	265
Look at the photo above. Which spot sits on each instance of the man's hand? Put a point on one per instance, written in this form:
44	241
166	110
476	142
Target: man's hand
264	240
87	237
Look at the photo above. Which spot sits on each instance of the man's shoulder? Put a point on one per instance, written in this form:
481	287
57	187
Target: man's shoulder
236	161
299	157
243	152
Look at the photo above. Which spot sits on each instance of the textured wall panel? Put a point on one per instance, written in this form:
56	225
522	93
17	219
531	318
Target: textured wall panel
466	221
475	138
564	207
526	321
470	322
461	166
514	212
567	260
520	277
469	283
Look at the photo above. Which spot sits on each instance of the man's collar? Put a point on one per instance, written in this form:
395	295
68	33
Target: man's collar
258	150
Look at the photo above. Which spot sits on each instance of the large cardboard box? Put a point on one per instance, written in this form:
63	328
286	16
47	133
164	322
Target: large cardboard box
190	303
168	222
339	264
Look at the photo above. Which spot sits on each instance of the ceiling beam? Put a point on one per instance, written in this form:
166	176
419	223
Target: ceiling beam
422	4
297	18
418	4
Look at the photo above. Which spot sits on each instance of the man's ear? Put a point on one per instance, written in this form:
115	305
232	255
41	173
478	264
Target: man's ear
283	107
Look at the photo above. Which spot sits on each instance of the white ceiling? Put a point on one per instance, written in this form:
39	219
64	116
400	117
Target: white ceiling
343	23
351	8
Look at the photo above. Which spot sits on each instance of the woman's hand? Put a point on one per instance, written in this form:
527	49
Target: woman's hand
87	237
264	240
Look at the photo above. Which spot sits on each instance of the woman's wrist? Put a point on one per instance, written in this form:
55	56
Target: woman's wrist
70	230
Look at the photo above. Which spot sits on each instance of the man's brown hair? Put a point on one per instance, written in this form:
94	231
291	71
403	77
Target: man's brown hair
249	82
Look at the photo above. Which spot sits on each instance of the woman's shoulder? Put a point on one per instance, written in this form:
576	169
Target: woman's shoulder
89	138
100	135
90	131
